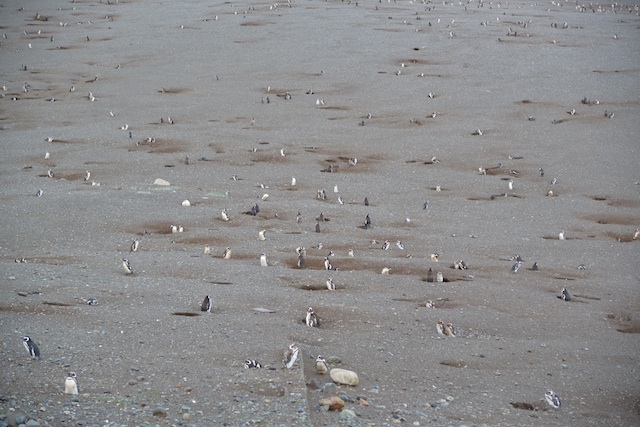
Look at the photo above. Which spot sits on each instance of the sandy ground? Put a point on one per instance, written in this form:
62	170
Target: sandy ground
221	71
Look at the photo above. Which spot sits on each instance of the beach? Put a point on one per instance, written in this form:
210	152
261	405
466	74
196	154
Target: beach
477	132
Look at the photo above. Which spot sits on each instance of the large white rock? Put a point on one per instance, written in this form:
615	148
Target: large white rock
343	376
161	181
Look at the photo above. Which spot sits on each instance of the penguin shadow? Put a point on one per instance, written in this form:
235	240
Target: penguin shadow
70	141
624	323
315	287
527	406
58	304
618	203
424	162
186	313
173	90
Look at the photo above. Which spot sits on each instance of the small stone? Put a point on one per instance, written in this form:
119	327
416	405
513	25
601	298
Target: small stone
329	388
313	384
333	360
347	414
186	417
335	403
344	376
160	412
161	181
32	423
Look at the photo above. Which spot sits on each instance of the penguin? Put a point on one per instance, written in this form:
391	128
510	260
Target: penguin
552	399
440	328
290	356
206	304
430	275
330	285
135	245
312	318
251	363
449	331
226	254
321	365
565	295
127	266
71	384
31	347
516	266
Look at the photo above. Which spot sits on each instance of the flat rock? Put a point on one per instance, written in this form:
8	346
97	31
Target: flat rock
335	403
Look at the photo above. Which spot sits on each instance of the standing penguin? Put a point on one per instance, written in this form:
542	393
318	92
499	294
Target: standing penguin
71	384
31	347
206	304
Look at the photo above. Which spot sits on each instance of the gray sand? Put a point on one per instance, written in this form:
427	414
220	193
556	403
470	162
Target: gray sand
209	66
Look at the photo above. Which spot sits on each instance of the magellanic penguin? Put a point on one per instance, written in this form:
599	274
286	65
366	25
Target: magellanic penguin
71	384
31	347
552	399
290	356
206	304
321	365
312	318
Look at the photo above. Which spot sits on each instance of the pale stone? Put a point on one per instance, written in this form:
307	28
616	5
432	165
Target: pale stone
344	376
161	181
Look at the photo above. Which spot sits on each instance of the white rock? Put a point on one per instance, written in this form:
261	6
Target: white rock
343	376
160	181
186	203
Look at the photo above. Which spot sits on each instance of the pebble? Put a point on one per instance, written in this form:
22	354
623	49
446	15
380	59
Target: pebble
32	423
347	414
329	388
160	412
333	360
